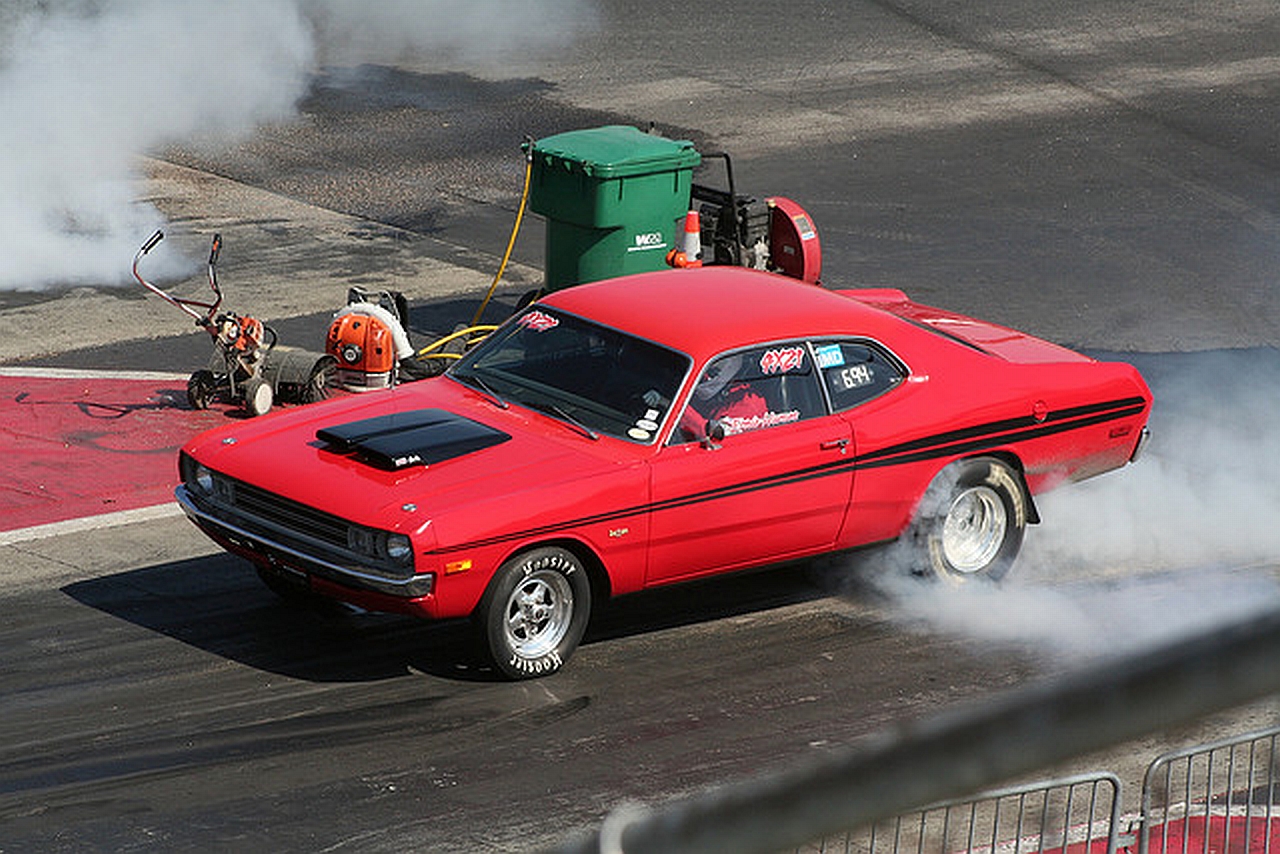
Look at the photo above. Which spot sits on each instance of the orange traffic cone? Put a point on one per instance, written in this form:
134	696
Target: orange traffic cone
689	253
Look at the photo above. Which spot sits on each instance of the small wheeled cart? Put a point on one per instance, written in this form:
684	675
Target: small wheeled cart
247	366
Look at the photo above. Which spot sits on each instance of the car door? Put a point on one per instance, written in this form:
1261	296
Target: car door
777	484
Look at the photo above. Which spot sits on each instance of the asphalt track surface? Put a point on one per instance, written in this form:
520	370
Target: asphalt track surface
1105	176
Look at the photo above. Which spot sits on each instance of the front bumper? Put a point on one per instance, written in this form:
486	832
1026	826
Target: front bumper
282	550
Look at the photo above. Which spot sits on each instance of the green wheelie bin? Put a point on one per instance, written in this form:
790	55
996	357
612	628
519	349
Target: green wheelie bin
612	197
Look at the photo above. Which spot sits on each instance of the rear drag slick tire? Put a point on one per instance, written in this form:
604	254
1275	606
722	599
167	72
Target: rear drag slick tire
971	522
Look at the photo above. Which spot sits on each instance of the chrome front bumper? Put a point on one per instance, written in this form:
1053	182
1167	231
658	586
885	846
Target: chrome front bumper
273	550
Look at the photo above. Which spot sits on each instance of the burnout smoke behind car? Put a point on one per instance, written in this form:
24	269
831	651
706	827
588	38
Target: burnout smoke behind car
1178	543
88	87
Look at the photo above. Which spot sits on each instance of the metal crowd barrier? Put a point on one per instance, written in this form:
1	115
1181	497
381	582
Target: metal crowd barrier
964	750
1079	815
1216	798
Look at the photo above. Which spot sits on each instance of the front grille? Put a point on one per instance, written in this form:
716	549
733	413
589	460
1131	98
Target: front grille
287	514
329	540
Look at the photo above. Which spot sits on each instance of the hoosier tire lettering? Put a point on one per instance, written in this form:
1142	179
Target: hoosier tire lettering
534	612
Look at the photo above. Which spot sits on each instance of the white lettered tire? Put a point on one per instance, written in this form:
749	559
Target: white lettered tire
971	522
535	612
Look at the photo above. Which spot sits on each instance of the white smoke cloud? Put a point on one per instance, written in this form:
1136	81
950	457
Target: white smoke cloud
1183	540
1206	494
1072	621
86	86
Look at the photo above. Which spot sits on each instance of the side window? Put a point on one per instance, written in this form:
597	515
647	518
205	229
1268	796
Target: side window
753	389
854	372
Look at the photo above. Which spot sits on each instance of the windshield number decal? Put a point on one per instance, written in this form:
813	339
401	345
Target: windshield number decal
782	360
537	321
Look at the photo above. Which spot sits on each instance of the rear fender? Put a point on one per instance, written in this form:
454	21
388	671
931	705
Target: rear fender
1011	459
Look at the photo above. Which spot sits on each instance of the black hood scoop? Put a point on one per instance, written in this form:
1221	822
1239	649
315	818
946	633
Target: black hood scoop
404	439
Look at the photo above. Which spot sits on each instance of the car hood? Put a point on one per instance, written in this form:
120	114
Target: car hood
431	444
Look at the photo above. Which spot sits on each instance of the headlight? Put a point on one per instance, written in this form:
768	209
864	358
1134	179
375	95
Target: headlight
380	545
196	476
399	548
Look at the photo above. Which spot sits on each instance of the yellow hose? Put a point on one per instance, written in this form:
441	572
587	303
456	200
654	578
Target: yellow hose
524	198
454	336
476	328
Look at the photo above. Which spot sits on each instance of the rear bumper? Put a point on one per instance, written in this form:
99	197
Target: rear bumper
1143	438
277	552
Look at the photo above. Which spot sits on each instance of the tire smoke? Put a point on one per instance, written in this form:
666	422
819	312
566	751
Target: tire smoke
1181	541
88	87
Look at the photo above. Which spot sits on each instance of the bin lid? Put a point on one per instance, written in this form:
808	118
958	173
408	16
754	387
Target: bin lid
616	151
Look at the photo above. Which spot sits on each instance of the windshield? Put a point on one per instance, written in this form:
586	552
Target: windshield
594	378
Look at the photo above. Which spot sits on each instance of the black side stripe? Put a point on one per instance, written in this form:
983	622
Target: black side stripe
962	441
1001	432
746	487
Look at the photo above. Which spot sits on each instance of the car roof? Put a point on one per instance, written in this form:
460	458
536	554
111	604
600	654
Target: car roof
706	310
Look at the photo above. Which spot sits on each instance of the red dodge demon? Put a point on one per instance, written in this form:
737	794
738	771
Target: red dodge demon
656	428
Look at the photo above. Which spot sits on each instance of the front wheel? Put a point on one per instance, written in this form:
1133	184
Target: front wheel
535	612
971	522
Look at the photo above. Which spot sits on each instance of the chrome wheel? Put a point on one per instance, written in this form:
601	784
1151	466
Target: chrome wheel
534	612
974	530
538	613
970	522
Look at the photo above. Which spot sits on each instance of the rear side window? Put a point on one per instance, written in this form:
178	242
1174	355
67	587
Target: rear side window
856	371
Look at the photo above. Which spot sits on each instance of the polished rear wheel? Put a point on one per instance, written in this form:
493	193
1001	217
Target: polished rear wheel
974	529
971	521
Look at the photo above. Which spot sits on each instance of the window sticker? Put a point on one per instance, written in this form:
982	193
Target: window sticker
830	356
646	425
805	227
734	425
537	321
782	360
856	376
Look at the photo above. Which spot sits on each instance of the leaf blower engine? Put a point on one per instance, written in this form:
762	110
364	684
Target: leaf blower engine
369	341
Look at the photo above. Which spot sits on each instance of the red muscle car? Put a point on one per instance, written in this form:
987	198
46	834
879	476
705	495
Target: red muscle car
656	428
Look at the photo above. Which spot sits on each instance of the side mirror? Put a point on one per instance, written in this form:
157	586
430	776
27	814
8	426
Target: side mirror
713	434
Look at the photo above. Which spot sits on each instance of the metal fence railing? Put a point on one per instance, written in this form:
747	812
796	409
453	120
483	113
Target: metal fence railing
1077	815
1217	798
967	749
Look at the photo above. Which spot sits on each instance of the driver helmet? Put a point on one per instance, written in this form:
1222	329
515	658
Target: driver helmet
718	375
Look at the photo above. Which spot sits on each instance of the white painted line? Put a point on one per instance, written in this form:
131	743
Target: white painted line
78	374
89	523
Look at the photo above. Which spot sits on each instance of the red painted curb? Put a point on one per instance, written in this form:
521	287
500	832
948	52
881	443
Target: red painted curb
72	447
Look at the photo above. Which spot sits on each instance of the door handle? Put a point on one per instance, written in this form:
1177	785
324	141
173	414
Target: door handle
834	444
